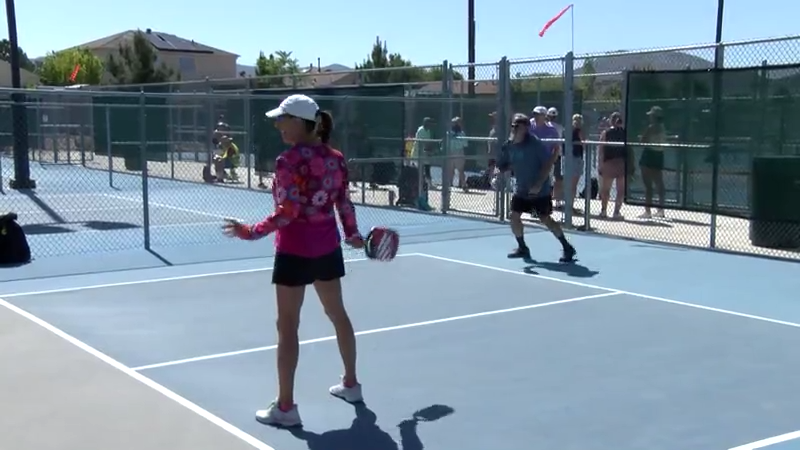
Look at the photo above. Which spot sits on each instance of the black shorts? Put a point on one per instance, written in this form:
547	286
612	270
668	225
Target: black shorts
652	159
557	170
542	206
292	270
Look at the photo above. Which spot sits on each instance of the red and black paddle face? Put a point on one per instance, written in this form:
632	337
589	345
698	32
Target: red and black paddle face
382	244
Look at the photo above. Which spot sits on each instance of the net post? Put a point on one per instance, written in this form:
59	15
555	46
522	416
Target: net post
143	156
567	156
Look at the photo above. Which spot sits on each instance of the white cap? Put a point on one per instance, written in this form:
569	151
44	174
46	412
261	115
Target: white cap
540	110
552	112
297	105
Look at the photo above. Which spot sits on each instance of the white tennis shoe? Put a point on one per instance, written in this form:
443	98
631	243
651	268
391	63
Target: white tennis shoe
275	417
351	394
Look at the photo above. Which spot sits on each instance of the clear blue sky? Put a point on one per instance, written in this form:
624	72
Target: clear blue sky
424	31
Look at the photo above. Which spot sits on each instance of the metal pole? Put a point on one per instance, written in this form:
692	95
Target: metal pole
588	154
716	100
211	122
471	48
143	156
22	169
447	115
247	141
502	128
108	148
569	86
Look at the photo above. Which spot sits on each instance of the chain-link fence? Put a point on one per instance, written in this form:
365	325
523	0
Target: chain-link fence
134	166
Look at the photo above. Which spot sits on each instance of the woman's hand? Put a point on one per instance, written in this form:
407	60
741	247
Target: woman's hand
234	228
356	242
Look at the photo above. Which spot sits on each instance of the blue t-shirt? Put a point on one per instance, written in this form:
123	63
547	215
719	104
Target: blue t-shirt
527	159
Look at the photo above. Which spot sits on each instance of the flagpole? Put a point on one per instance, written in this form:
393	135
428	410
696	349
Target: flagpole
572	28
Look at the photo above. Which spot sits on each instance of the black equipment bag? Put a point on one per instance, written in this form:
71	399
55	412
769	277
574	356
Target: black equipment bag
14	248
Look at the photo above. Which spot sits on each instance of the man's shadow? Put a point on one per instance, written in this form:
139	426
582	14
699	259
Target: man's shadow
364	433
572	269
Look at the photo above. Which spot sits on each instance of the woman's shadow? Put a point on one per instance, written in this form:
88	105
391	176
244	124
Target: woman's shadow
364	433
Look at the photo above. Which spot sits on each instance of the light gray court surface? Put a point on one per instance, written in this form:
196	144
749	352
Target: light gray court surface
524	360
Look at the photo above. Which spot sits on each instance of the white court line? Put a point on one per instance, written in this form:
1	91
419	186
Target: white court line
215	420
769	441
174	208
160	280
41	196
132	229
632	294
61	211
376	330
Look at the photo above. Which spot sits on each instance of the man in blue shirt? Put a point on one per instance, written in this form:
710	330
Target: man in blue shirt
532	161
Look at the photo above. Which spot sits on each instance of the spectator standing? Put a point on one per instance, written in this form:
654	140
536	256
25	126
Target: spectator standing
652	162
613	162
424	147
455	158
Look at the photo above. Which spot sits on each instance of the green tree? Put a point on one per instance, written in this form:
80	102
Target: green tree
24	61
273	70
136	62
436	74
58	66
396	68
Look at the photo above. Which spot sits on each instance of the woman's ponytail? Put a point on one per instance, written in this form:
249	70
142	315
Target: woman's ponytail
324	127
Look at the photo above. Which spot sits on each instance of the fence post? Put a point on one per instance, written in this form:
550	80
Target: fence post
211	122
172	147
247	141
108	147
143	156
567	156
197	135
624	97
716	111
501	128
444	149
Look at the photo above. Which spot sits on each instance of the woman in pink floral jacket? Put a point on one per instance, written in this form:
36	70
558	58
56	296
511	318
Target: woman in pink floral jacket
311	184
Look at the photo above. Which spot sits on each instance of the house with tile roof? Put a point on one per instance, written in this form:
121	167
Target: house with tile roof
193	60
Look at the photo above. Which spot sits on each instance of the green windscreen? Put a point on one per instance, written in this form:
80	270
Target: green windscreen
758	112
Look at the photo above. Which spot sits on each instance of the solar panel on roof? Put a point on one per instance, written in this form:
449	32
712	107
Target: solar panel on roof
166	41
